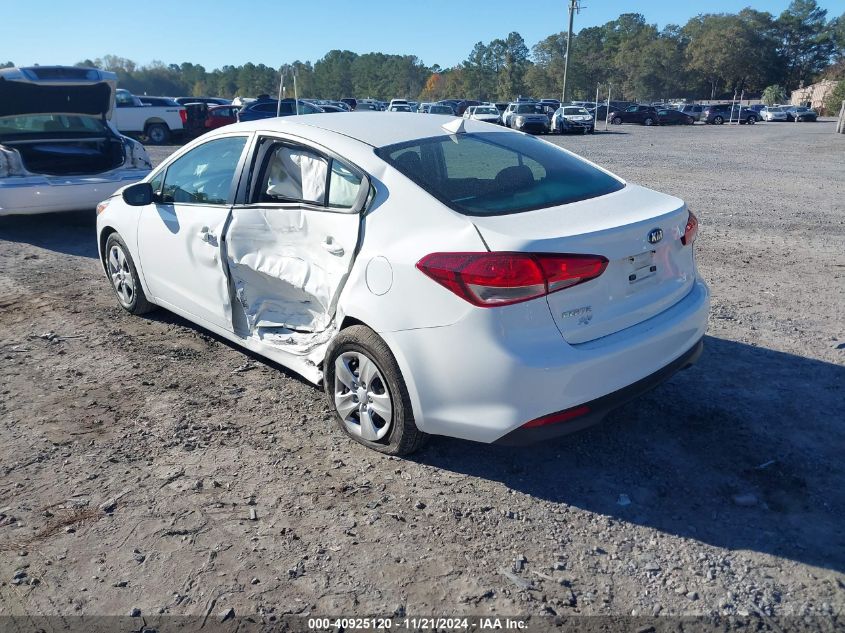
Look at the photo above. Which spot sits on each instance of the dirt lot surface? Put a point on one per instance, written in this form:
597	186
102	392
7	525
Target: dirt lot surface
146	465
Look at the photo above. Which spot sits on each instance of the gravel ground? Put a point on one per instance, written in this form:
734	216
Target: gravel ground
146	465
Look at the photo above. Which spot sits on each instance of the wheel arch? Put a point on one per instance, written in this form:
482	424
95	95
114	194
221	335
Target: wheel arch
105	233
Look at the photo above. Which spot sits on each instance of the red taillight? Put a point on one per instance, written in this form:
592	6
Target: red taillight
183	114
691	230
499	279
560	416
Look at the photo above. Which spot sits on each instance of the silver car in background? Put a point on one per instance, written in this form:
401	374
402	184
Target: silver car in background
773	113
486	113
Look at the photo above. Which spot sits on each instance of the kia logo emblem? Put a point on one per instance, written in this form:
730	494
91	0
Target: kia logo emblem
655	235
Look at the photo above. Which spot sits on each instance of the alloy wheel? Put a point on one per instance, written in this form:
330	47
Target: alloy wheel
121	275
361	396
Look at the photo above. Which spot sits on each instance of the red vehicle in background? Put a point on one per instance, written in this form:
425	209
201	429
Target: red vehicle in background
220	115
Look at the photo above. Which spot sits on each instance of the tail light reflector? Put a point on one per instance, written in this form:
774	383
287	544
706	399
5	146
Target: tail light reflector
691	230
560	416
505	278
183	114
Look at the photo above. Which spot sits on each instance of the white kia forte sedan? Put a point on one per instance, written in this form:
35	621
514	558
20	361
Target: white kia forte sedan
437	275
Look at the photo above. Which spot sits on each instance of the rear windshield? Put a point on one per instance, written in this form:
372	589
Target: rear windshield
497	173
49	124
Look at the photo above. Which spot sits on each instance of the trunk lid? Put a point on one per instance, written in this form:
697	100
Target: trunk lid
57	90
642	279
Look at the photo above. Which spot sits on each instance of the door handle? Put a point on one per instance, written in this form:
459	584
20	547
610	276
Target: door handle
332	247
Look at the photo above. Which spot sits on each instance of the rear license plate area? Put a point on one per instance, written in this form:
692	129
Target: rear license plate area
640	268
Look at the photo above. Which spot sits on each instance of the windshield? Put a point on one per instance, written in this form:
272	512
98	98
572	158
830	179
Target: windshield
487	110
497	173
50	124
576	111
529	108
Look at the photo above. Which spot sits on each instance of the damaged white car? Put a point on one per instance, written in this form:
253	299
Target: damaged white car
454	279
58	148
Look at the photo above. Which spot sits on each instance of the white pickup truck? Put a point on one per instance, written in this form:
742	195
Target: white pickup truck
157	124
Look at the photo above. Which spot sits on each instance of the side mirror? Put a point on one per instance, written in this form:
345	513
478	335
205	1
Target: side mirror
138	195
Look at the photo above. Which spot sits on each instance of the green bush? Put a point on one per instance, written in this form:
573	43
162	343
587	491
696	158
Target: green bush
774	94
834	99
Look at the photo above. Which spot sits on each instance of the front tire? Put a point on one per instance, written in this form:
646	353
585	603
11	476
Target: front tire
718	120
368	394
616	120
124	277
648	122
752	120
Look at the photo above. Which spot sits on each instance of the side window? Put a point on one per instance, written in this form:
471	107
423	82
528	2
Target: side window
204	175
291	173
344	186
123	99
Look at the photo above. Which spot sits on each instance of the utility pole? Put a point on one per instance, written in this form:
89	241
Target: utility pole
573	7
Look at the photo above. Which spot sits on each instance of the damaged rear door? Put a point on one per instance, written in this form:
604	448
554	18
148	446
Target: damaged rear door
290	247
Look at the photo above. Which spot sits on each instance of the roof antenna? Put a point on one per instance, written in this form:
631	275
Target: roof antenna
455	127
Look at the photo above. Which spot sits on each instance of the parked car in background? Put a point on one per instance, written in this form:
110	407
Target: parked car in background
720	113
395	102
220	115
399	107
424	106
642	114
441	108
157	124
757	107
158	101
59	151
559	290
552	103
501	106
773	113
526	117
269	108
367	104
209	100
669	116
462	105
801	113
572	119
352	103
486	113
694	110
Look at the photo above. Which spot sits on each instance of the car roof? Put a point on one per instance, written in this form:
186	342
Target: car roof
377	129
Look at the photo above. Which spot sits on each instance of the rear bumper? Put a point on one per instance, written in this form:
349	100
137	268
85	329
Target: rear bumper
492	371
600	407
29	195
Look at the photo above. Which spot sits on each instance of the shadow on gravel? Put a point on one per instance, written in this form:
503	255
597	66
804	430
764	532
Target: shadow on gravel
742	451
73	233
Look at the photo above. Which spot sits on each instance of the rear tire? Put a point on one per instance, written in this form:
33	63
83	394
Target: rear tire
363	356
648	122
124	277
718	120
617	120
157	134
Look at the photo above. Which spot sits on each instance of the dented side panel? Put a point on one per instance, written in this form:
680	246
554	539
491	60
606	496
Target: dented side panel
287	265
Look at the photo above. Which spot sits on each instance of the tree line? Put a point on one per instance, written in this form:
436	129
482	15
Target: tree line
711	56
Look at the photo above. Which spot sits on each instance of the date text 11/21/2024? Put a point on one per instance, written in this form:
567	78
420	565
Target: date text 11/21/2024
416	624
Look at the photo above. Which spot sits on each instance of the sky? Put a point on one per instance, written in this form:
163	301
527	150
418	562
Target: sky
215	33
